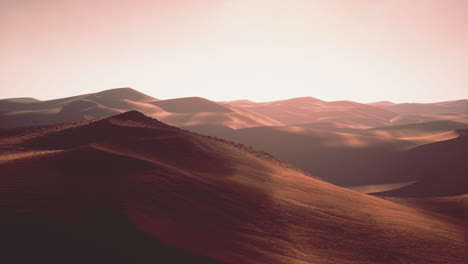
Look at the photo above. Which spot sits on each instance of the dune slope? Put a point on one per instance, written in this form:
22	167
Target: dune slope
441	167
130	189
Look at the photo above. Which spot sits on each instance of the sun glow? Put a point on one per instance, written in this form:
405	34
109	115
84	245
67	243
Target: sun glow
225	50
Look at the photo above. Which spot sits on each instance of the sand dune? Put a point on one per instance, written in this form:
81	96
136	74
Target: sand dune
22	99
82	107
190	105
414	119
308	110
130	189
355	118
340	158
351	160
195	111
333	127
178	112
343	144
455	207
449	107
419	129
441	169
411	130
417	133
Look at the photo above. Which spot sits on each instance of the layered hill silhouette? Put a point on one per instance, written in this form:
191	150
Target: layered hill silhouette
130	189
178	112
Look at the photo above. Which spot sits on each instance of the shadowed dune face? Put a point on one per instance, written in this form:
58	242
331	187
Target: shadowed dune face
441	169
190	105
130	189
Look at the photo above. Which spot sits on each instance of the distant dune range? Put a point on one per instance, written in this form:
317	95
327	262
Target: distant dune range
178	112
308	110
441	108
362	146
130	189
346	116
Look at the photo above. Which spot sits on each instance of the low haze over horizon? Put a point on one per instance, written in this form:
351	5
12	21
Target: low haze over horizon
261	50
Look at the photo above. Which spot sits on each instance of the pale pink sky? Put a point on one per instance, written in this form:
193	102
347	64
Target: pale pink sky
361	50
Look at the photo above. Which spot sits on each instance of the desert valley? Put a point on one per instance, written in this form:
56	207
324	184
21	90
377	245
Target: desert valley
119	176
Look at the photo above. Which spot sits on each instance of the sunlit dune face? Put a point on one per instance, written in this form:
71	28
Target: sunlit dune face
224	50
4	158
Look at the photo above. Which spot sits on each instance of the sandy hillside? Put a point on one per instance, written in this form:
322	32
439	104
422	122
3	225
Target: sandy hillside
130	189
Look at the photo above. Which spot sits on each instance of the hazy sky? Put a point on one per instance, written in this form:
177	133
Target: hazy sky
361	50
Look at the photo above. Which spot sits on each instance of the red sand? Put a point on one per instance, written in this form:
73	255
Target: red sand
129	189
